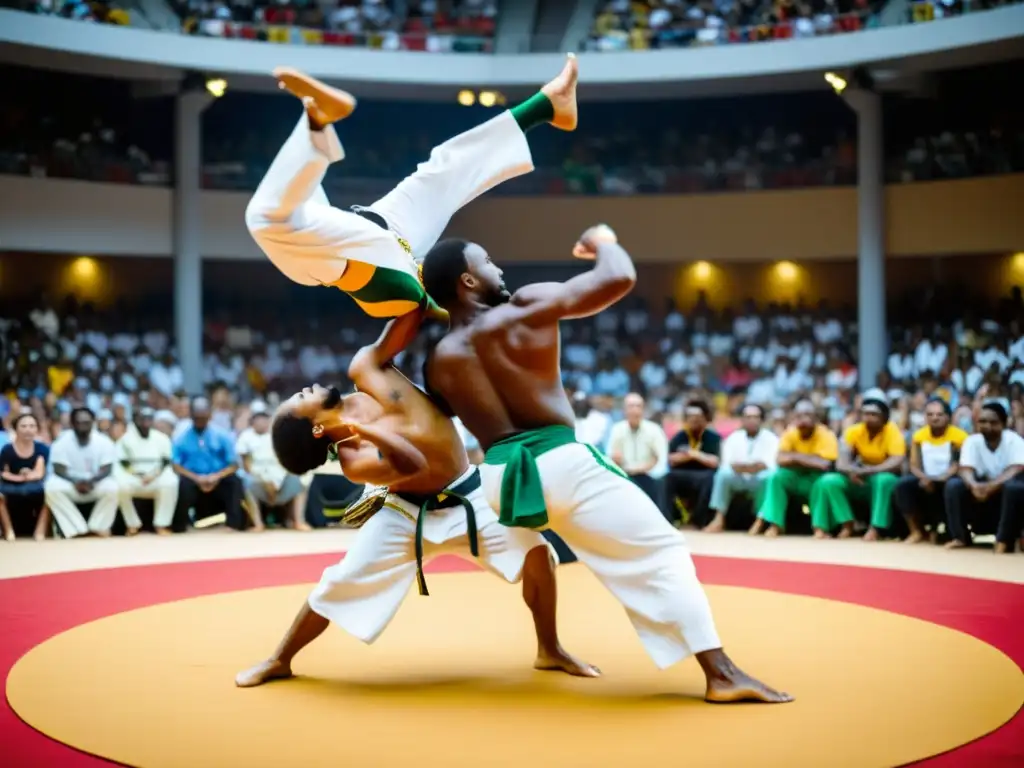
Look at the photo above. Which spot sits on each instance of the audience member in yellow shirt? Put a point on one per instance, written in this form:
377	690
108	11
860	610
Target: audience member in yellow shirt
807	451
934	459
870	460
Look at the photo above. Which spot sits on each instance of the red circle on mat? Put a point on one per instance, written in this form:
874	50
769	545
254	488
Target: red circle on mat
36	608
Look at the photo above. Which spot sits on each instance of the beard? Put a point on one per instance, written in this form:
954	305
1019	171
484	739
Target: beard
498	296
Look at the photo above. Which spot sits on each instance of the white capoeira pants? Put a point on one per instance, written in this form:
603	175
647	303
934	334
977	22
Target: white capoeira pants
622	537
163	490
363	592
63	501
312	243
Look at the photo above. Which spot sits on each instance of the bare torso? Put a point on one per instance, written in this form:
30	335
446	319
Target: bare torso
419	421
509	385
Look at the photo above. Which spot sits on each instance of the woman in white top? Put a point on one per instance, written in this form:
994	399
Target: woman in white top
990	490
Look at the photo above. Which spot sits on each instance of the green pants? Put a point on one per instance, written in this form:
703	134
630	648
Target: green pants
783	483
837	490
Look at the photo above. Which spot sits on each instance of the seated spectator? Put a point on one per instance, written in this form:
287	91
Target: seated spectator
83	463
807	452
870	460
640	447
693	458
204	458
144	471
934	459
990	489
266	480
22	470
748	458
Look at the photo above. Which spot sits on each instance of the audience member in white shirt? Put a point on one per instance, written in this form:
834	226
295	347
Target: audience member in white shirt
144	471
929	356
640	447
990	490
968	377
748	457
265	479
83	461
593	424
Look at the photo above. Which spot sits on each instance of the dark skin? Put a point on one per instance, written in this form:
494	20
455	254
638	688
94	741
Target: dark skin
752	422
856	471
991	427
696	423
498	367
938	422
82	425
394	435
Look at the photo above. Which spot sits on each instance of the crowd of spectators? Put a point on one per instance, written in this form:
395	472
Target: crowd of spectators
97	11
641	24
418	25
930	10
700	377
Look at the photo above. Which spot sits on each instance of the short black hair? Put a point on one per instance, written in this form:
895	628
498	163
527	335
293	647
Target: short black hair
442	267
295	445
760	409
81	409
700	405
945	406
998	409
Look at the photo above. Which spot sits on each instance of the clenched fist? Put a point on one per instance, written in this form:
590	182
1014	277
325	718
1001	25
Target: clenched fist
586	246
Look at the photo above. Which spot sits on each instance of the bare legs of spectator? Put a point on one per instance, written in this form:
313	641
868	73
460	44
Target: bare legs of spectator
252	508
5	521
912	499
1003	509
63	499
42	524
298	509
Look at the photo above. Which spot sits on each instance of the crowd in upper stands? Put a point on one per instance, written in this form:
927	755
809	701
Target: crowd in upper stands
703	375
98	11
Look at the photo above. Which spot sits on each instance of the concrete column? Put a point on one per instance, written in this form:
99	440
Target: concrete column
188	264
872	339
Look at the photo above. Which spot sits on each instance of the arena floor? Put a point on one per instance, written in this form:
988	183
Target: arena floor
124	651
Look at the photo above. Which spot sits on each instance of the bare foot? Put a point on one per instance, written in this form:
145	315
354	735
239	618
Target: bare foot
956	544
1001	548
715	526
39	536
264	672
131	532
101	534
846	531
9	536
773	532
916	537
820	534
257	528
757	527
560	661
741	687
304	527
324	104
164	532
561	92
872	535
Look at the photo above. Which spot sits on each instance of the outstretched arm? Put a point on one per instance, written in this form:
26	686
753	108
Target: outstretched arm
612	277
367	367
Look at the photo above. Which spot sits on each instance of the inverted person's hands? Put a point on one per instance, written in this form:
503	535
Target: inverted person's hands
586	246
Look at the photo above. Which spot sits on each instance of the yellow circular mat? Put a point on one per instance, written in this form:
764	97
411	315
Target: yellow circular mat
450	685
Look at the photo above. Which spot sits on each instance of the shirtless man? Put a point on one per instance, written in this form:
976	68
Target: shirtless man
390	434
498	367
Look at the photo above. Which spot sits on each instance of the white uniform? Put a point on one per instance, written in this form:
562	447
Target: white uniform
146	455
82	462
312	242
619	534
363	592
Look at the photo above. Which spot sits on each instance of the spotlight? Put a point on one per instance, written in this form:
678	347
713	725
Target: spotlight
467	98
702	270
216	86
838	84
786	270
488	98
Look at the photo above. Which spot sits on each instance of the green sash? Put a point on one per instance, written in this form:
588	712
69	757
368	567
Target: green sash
522	494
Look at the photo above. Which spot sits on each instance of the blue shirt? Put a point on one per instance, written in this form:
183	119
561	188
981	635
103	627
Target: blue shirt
204	453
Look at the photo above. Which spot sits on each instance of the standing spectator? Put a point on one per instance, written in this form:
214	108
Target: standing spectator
204	458
144	471
83	460
693	458
807	452
267	481
934	457
640	447
748	458
22	470
872	454
989	490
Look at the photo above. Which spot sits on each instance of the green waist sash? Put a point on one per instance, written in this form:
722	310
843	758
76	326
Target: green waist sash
522	494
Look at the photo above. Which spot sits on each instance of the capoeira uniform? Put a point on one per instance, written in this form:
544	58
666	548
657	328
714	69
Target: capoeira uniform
545	478
363	592
372	253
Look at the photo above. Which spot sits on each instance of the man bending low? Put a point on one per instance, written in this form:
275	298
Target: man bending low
389	433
